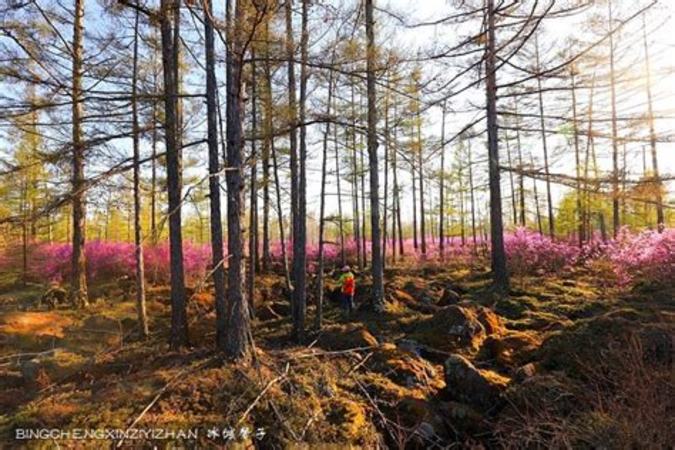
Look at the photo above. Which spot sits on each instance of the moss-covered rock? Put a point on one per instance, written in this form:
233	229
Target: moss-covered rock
468	384
449	297
513	348
452	328
492	323
576	348
406	368
347	336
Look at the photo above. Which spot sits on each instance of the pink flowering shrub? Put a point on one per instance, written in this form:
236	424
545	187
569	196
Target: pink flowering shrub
645	258
107	260
196	261
528	252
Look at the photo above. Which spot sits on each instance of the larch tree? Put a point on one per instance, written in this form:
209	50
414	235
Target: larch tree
377	263
78	277
238	342
217	256
138	236
498	253
170	61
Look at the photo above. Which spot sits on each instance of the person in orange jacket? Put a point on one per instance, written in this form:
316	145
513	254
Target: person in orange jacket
347	289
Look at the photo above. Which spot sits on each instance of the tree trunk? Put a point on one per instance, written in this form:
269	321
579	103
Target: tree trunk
397	187
253	265
23	210
589	147
441	193
138	239
297	173
660	218
386	179
616	219
462	207
324	161
496	229
577	160
549	201
153	180
472	196
355	185
218	258
521	176
293	139
376	266
280	218
343	260
364	213
513	186
536	200
179	325
420	167
267	145
414	198
237	345
78	280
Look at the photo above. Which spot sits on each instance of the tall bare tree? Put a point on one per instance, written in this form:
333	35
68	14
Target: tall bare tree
238	343
660	218
376	243
179	324
499	272
616	218
217	256
78	278
138	238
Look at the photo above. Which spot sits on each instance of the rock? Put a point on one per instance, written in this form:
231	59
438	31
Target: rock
524	372
511	348
468	384
411	346
423	303
346	337
492	323
405	368
448	297
451	328
606	338
462	324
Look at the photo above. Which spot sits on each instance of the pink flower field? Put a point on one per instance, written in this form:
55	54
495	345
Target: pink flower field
647	257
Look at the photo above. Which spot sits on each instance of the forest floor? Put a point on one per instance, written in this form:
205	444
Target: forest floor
561	361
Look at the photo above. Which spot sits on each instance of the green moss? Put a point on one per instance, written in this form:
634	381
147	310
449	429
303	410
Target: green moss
515	307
